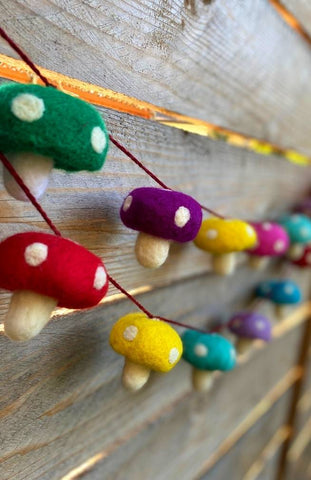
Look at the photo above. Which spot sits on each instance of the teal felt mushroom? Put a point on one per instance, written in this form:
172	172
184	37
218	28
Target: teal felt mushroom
207	353
43	128
298	228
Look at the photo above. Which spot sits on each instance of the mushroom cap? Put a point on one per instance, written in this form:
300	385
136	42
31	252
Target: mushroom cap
49	122
304	259
298	227
285	292
250	325
264	289
52	266
146	341
162	213
218	236
304	207
208	351
272	239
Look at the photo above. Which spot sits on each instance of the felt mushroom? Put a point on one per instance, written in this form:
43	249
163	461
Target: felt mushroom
249	326
43	271
284	293
207	353
304	261
298	227
160	216
43	128
264	288
304	207
222	238
272	240
147	344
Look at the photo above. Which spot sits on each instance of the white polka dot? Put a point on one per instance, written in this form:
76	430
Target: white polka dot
260	324
127	203
233	354
173	356
308	258
212	234
36	253
100	278
288	289
200	350
130	333
266	226
296	251
98	140
27	107
250	231
279	246
182	217
304	231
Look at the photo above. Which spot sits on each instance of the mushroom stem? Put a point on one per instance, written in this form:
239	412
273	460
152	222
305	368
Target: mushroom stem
151	252
34	169
224	264
295	251
28	313
202	380
134	376
258	263
280	311
243	345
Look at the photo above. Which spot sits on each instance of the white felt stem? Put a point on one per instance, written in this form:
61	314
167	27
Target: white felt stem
224	264
202	380
28	313
295	251
151	252
258	263
280	311
34	169
243	345
134	376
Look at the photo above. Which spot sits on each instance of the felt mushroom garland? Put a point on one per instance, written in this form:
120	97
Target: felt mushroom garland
146	344
161	216
280	292
304	260
272	240
43	128
207	353
223	238
44	271
298	227
249	326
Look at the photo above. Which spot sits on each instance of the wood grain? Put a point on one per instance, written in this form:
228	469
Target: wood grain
185	56
302	11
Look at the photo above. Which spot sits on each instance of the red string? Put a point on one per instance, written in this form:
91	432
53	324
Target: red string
151	174
25	57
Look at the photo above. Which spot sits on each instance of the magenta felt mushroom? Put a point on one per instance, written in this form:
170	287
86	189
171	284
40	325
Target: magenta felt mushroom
272	240
249	326
161	216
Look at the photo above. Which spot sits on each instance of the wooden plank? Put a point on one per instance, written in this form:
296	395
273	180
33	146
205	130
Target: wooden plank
185	56
62	403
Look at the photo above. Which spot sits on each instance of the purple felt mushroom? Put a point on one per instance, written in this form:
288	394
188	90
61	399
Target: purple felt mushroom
272	240
160	216
249	326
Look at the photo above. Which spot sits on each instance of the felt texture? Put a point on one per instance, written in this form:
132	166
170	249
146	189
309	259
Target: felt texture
298	227
65	131
279	291
272	239
158	212
219	236
208	351
67	273
251	325
264	289
148	342
304	260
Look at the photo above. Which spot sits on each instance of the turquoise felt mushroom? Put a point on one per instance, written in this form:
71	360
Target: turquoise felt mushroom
298	227
207	353
43	128
282	293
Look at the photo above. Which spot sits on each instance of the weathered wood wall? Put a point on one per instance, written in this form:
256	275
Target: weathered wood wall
63	412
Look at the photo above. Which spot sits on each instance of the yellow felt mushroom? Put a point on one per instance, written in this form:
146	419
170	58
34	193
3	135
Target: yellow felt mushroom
222	238
147	344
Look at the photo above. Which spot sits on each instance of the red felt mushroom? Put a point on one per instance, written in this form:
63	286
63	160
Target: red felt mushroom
304	259
44	271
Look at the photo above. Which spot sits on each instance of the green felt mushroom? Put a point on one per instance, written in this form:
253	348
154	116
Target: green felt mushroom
207	353
43	128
